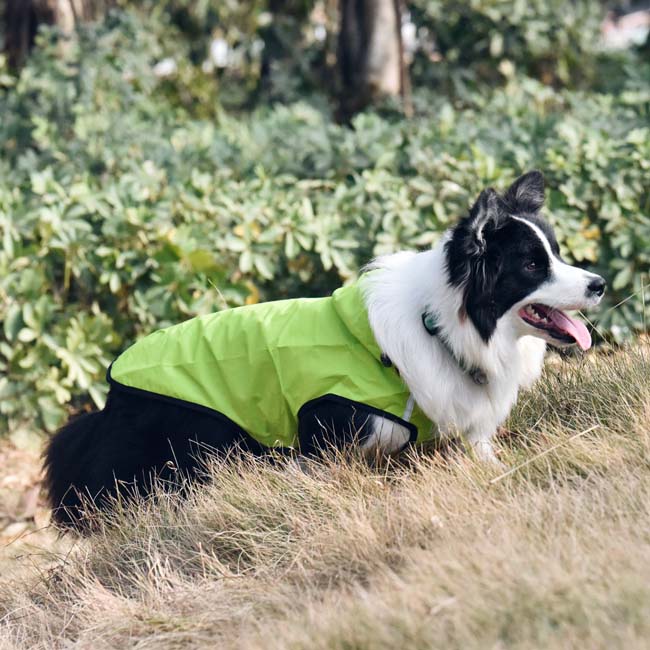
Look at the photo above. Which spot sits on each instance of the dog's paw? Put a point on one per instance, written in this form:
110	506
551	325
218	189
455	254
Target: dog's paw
484	451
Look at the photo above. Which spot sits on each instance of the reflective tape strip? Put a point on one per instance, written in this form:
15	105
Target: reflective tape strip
408	411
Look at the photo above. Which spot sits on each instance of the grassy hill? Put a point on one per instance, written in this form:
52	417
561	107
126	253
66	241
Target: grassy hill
432	552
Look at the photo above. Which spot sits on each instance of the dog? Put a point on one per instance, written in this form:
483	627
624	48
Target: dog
431	344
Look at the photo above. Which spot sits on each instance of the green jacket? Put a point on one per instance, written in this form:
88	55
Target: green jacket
258	365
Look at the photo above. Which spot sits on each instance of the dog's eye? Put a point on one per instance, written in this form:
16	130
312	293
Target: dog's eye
531	266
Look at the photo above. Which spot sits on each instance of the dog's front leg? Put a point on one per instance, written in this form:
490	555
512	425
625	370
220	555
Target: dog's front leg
386	438
334	422
331	422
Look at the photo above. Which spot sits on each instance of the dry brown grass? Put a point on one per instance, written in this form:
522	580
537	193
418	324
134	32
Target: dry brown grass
431	553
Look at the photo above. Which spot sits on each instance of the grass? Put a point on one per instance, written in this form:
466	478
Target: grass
432	552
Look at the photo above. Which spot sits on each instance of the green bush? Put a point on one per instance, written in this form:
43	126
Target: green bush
552	40
120	214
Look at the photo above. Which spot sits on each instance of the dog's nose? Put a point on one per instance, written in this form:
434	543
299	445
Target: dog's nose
597	286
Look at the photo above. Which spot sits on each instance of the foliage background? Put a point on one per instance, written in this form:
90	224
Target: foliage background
131	200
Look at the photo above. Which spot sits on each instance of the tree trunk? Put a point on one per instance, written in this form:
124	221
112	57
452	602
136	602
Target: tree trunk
371	55
22	18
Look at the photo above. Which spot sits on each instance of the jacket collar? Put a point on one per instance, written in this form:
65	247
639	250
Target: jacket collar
350	306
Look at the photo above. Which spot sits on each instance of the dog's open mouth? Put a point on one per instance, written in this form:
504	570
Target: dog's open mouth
561	327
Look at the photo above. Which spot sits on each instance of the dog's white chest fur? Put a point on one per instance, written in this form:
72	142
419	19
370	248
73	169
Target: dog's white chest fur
404	286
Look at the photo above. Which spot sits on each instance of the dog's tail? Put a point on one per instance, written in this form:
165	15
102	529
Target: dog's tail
66	470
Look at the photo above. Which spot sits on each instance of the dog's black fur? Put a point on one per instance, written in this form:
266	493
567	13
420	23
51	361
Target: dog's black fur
136	439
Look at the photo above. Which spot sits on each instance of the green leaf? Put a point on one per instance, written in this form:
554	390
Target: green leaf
13	322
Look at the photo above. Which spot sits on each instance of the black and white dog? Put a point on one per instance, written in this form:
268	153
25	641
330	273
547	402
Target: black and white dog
499	289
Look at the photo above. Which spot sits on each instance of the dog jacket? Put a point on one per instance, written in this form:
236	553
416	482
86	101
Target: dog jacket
259	365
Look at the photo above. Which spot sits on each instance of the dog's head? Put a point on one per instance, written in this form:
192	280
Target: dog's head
505	259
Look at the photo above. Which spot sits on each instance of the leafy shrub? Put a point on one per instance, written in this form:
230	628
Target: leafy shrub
120	214
552	40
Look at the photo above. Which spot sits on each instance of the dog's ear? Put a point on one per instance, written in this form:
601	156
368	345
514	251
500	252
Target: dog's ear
526	194
468	241
471	265
483	216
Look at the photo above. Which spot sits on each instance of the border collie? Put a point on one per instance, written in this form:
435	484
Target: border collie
454	332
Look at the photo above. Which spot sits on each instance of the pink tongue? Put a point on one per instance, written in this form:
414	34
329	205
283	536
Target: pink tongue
571	326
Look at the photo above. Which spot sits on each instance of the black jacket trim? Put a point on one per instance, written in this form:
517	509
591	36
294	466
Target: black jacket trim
218	415
331	397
